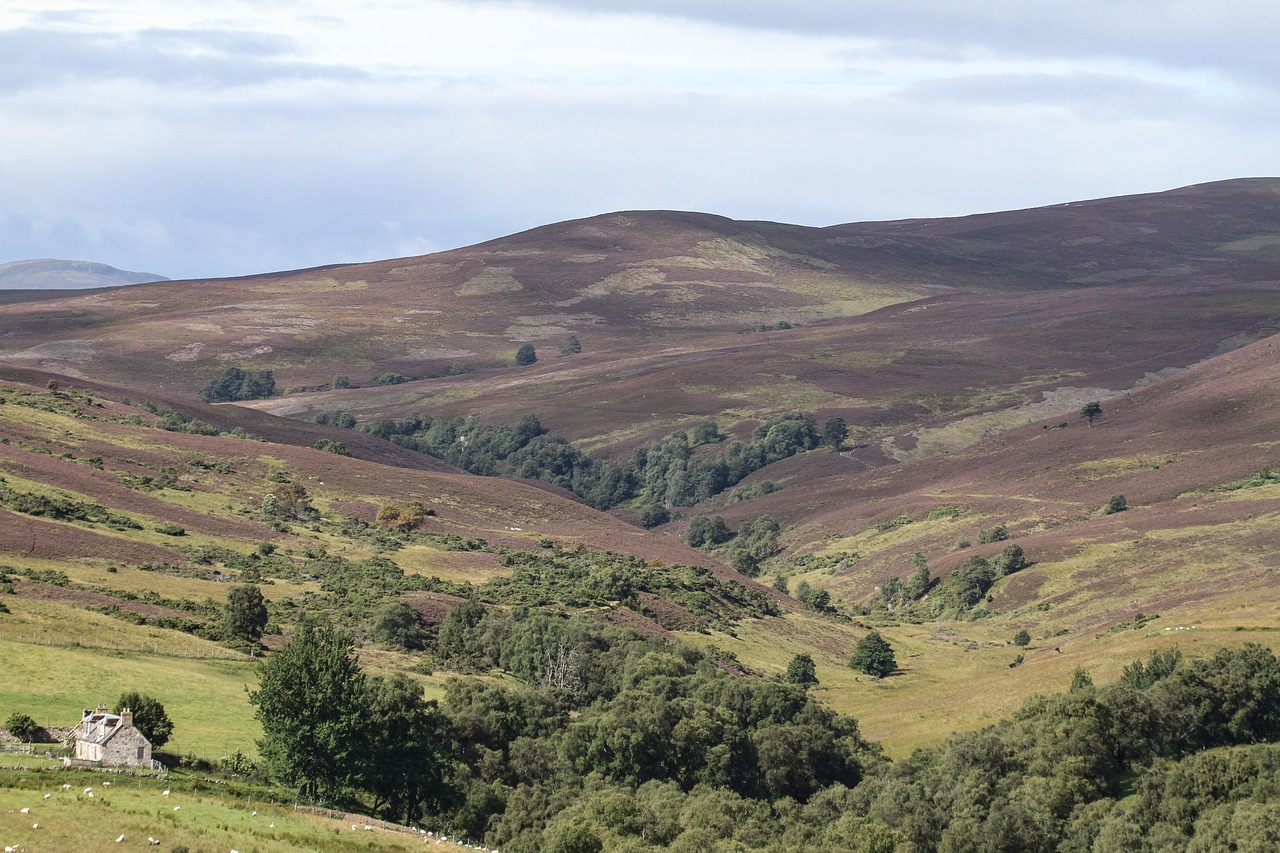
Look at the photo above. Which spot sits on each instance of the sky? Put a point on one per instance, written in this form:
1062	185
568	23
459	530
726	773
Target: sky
201	138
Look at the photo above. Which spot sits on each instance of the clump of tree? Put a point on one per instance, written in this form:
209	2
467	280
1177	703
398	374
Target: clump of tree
396	623
235	384
814	598
1193	742
659	476
755	542
703	531
331	446
289	500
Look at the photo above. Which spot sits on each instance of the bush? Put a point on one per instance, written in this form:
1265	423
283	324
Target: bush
171	529
393	378
22	726
1116	503
526	355
1022	638
999	533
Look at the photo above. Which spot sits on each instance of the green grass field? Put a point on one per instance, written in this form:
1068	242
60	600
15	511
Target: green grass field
195	815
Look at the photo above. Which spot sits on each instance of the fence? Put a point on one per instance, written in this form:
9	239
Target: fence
104	644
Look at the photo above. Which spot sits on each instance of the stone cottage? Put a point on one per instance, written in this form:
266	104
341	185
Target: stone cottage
111	739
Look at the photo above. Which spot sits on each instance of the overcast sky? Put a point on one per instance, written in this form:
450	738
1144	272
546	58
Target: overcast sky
199	138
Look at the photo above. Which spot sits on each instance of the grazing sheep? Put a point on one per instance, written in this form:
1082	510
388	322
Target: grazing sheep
120	838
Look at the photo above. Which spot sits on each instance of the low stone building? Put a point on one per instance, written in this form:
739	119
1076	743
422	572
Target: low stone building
110	739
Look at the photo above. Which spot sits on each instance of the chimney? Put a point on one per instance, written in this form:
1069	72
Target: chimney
126	718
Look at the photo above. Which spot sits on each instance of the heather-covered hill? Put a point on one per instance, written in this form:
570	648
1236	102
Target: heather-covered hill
1192	561
653	285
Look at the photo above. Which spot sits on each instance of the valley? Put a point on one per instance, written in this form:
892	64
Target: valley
958	353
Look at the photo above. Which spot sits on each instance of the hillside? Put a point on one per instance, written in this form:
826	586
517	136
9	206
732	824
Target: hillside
668	306
560	639
1192	561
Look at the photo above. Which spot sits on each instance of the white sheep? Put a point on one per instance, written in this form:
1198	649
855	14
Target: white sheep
120	838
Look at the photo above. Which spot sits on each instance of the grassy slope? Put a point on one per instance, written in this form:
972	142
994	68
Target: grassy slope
898	372
191	815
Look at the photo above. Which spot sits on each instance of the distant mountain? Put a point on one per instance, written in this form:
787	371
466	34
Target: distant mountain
50	274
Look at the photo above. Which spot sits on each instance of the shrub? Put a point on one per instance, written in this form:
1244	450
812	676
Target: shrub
1116	503
1022	638
999	533
22	726
526	355
171	529
393	378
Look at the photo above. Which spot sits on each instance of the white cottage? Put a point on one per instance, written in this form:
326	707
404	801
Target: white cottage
111	739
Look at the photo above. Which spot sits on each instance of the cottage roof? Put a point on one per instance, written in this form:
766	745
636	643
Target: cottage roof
99	726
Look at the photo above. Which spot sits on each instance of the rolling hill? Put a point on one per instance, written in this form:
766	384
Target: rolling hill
958	351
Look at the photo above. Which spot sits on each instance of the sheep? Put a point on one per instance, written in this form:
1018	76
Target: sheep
120	838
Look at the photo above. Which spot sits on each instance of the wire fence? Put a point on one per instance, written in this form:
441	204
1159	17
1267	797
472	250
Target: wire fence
115	645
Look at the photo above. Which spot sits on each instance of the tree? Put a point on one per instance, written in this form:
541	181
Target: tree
22	726
834	432
393	378
340	381
396	624
311	703
1011	559
801	671
526	355
1022	638
707	432
874	656
403	769
149	717
653	515
246	612
919	581
1090	411
572	346
291	499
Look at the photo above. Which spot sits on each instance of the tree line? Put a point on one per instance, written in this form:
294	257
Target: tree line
662	474
610	740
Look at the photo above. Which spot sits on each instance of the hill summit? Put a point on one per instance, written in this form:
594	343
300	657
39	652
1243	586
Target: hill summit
51	274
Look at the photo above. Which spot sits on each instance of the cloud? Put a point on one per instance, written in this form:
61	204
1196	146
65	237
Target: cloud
38	58
225	138
1233	36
